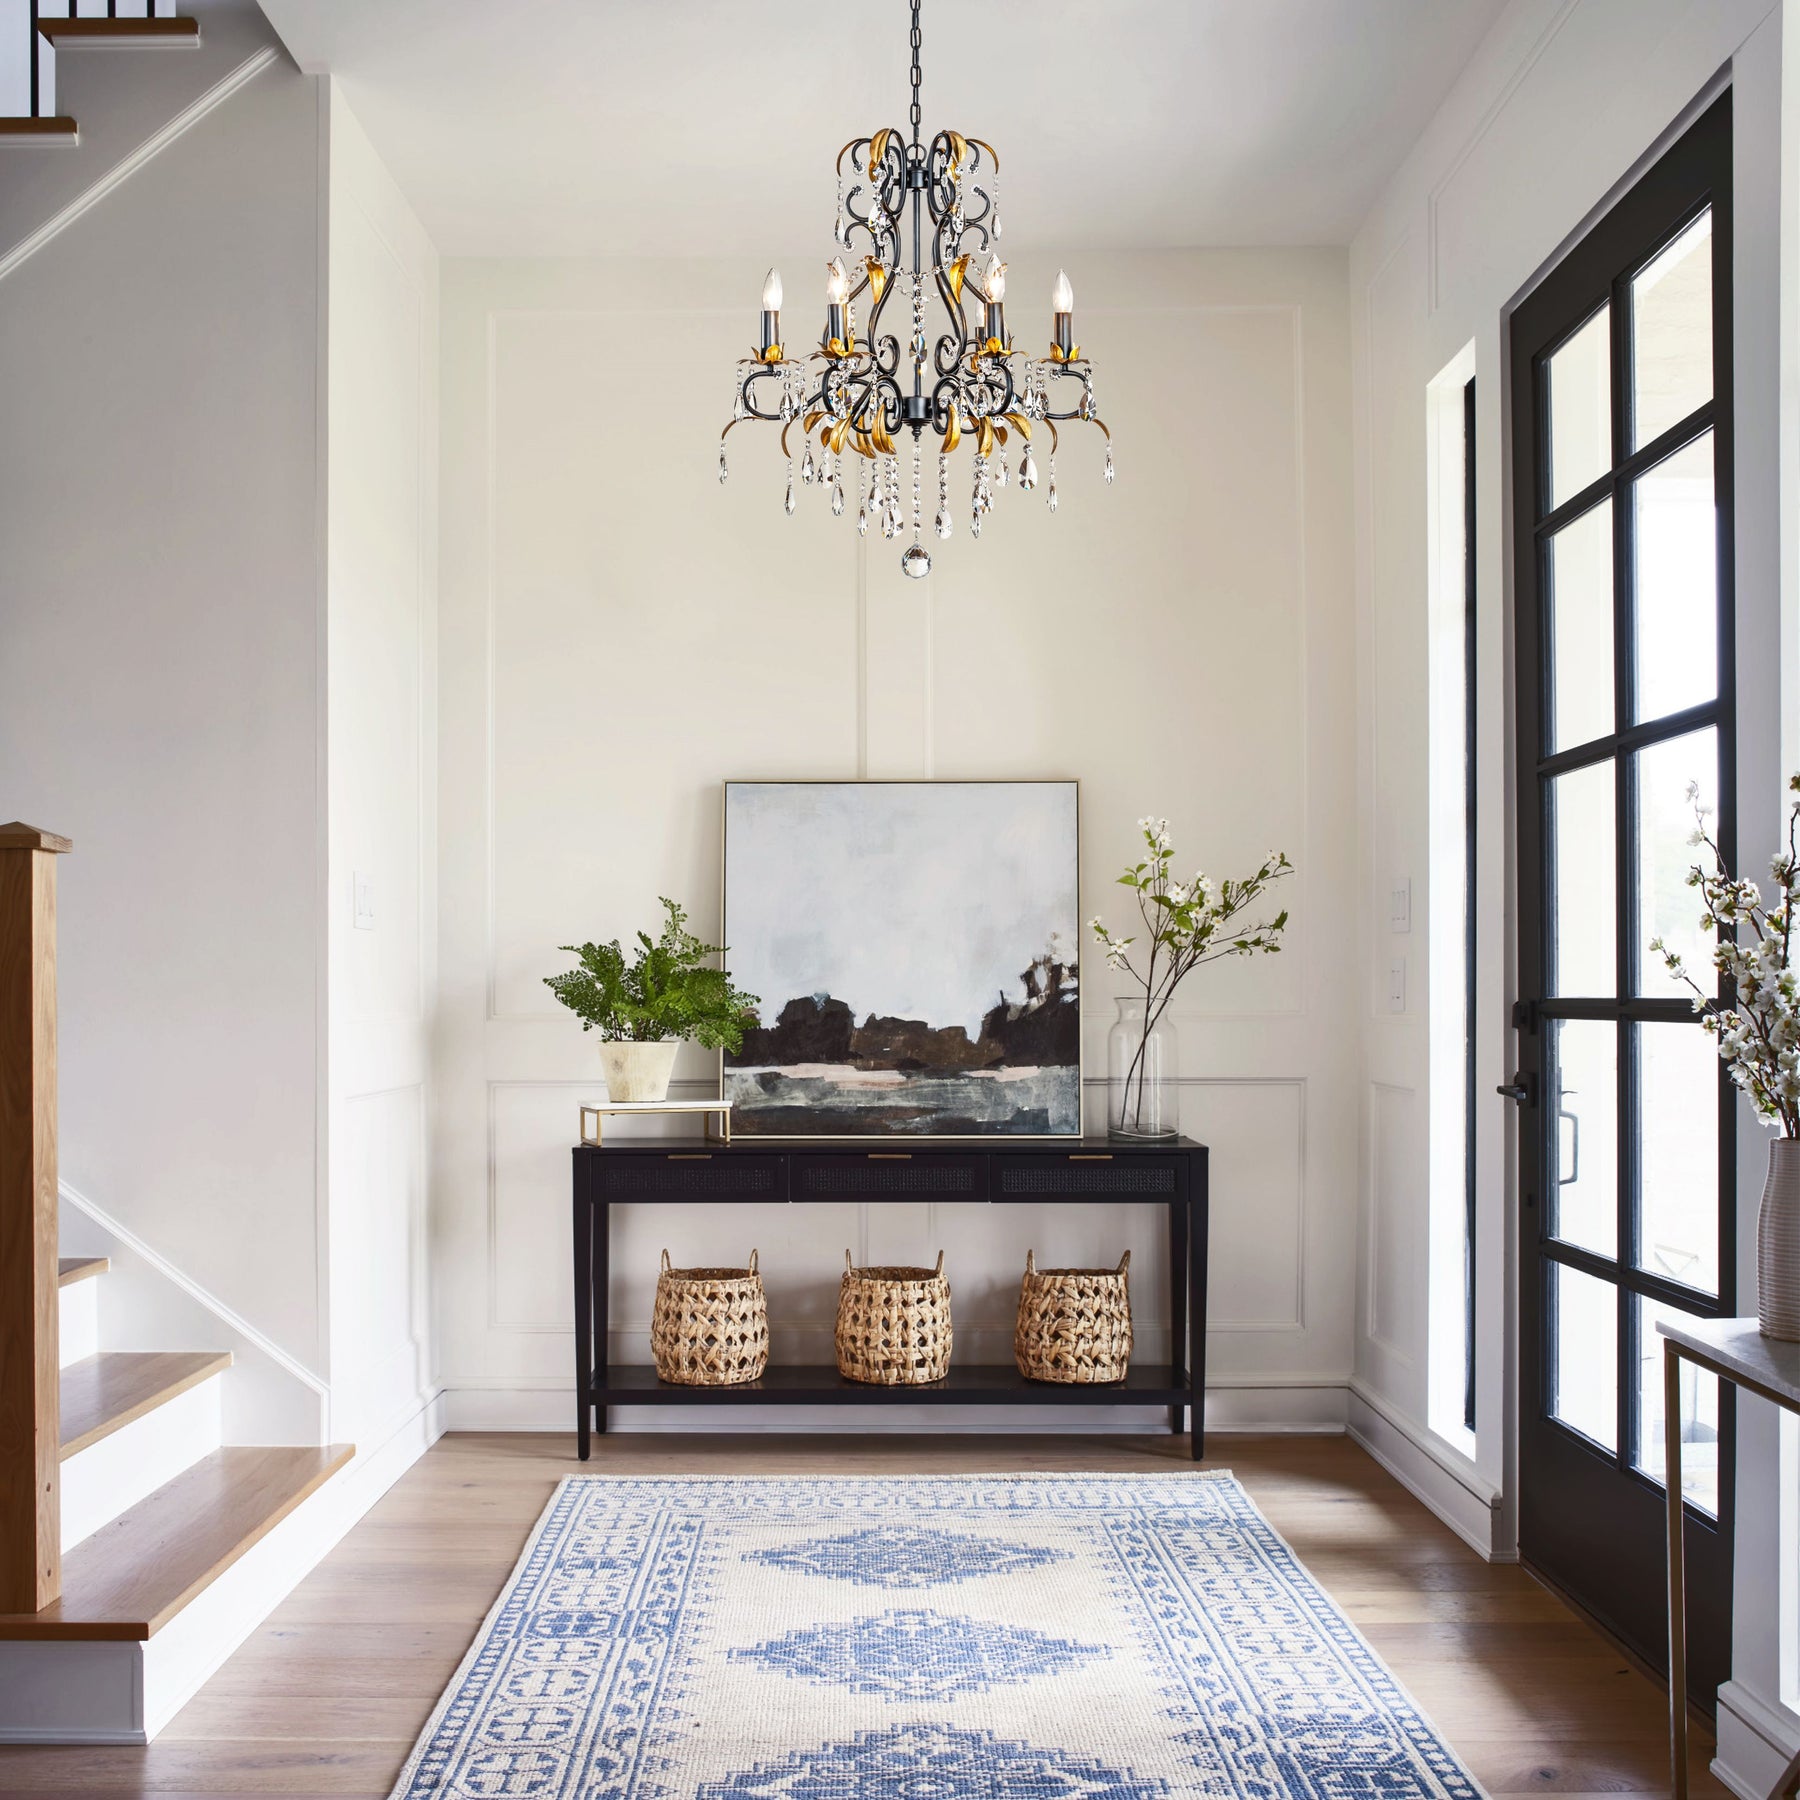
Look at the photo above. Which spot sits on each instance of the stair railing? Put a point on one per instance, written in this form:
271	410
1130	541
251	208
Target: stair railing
30	1488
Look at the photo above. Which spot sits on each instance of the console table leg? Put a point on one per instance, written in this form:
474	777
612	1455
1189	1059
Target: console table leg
601	1283
584	1321
1196	1234
1178	1280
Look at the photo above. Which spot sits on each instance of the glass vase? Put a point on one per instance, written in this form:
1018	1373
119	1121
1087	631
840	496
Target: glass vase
1140	1076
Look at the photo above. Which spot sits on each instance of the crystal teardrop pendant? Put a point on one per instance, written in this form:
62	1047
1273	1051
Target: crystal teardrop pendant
1027	472
999	471
837	499
862	520
1109	467
943	522
724	467
916	562
787	505
1051	497
807	471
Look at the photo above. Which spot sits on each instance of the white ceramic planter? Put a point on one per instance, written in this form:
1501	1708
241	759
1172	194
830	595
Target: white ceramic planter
638	1073
1778	1244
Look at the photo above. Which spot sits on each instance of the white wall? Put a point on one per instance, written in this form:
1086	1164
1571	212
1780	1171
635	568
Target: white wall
619	634
381	733
159	688
1555	109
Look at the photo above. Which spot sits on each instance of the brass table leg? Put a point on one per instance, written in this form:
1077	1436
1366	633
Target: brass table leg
1678	1719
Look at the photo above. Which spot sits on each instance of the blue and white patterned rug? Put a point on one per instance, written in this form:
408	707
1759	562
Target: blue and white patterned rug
971	1638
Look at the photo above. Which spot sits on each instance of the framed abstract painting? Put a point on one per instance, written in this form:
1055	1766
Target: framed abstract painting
915	948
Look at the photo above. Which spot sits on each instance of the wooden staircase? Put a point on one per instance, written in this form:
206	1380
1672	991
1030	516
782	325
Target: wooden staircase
51	27
123	1513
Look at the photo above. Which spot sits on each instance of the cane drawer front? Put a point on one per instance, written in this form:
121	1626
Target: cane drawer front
897	1174
692	1175
1098	1175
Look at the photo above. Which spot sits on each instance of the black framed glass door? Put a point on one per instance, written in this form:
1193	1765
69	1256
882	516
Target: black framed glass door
1622	484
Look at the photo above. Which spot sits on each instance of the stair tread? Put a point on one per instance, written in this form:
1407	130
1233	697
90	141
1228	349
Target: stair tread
80	1268
133	1576
102	1393
67	33
27	129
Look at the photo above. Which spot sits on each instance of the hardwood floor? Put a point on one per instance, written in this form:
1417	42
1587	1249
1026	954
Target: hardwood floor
327	1697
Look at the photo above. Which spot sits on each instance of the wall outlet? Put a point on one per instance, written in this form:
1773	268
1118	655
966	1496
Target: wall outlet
1397	985
363	890
1400	904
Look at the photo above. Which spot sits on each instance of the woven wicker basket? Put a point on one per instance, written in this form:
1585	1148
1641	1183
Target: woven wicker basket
1074	1324
711	1326
893	1325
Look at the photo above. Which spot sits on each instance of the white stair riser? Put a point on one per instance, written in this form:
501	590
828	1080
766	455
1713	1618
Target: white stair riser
78	1322
72	1693
100	1482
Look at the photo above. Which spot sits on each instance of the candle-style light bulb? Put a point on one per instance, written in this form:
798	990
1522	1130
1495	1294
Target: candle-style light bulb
837	283
994	281
771	311
1062	325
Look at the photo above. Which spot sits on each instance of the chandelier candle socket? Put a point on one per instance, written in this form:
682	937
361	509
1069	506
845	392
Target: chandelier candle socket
966	383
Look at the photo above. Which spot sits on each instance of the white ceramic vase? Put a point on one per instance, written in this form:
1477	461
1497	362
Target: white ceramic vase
638	1074
1778	1244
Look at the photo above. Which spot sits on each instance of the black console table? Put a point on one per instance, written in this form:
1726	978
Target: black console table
1076	1172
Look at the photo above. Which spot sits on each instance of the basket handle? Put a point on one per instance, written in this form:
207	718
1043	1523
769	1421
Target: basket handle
1030	1262
849	1264
752	1268
940	1264
1125	1263
667	1265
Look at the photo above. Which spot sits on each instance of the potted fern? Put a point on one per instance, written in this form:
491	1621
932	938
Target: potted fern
644	1008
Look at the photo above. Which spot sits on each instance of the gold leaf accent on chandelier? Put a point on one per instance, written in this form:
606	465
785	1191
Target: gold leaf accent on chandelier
985	440
1056	354
812	418
952	430
837	435
1020	424
954	274
959	148
878	276
770	355
878	147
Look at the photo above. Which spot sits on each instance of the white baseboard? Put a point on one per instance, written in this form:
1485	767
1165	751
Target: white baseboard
124	1693
130	1464
1429	1471
1309	1407
1756	1742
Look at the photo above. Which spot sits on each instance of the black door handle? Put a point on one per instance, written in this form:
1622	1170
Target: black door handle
1522	1089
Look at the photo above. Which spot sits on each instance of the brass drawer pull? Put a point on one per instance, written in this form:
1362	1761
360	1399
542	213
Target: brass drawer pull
690	1156
1090	1156
890	1156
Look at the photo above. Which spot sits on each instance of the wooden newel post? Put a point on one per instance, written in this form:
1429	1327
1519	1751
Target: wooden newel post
30	1492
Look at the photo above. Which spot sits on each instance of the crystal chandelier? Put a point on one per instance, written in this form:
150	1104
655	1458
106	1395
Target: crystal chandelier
858	392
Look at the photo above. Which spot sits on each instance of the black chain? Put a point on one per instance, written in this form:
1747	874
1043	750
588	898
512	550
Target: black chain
917	39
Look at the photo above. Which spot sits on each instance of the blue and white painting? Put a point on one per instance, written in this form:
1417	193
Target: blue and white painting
915	947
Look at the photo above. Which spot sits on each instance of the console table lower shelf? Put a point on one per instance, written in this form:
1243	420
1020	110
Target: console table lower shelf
1092	1174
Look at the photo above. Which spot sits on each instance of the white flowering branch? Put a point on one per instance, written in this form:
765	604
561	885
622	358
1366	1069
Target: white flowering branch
1186	924
1756	1022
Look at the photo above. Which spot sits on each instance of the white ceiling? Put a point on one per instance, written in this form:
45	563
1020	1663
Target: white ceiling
708	127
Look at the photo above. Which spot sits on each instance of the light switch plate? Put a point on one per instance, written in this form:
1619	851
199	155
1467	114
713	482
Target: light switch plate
364	891
1397	985
1400	904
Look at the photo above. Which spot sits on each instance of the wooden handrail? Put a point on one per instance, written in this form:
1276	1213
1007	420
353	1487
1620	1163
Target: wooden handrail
30	1491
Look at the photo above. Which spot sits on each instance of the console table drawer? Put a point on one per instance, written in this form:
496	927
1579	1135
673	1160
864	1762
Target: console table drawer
1135	1176
920	1174
693	1174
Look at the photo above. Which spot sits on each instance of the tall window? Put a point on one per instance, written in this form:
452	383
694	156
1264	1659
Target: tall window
1450	916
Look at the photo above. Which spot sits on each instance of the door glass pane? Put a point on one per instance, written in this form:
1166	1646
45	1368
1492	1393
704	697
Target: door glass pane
1583	1087
1699	1413
1667	907
1578	578
1678	1130
1671	334
1677	582
1580	397
1584	1364
1583	926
